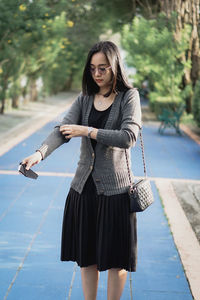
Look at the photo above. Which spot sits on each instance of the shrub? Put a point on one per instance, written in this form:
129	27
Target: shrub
157	103
156	55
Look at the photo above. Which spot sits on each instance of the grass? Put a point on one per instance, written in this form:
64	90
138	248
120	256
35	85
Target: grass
188	120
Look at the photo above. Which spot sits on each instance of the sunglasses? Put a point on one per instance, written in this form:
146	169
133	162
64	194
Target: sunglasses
101	70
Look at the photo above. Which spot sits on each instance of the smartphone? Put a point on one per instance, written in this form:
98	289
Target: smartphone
28	173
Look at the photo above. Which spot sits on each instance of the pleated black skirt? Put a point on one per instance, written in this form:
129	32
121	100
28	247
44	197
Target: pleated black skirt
99	229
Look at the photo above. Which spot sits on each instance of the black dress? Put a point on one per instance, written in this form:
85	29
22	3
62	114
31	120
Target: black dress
99	229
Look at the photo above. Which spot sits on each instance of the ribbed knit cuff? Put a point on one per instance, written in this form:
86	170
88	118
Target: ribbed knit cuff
135	130
102	135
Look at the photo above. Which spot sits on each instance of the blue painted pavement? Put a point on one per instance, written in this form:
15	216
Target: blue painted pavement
31	220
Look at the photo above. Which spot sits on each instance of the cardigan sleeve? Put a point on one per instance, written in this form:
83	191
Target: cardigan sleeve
56	138
126	136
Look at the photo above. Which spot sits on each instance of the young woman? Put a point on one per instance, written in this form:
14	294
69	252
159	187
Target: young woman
98	231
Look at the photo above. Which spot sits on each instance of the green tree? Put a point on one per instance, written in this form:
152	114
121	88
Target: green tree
48	39
16	21
187	13
84	26
156	55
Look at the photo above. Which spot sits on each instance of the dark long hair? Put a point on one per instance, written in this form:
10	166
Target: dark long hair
119	79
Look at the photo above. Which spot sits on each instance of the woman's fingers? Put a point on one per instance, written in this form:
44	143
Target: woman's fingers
66	132
29	164
32	160
65	129
68	136
73	130
25	161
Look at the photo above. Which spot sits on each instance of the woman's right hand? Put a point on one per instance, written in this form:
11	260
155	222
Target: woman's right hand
32	160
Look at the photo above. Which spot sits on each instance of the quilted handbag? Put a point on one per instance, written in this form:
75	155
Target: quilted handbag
140	193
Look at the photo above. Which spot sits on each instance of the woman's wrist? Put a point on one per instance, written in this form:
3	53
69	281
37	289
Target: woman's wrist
90	132
38	151
93	133
90	129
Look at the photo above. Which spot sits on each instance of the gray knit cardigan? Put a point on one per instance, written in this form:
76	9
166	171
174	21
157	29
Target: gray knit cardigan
108	162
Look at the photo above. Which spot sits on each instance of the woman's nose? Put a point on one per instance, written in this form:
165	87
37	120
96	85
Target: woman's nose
97	71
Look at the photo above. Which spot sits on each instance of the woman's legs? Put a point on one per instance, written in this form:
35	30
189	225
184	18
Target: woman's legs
90	277
116	282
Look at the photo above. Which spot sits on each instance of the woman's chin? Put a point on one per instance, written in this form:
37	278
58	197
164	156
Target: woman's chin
100	83
103	85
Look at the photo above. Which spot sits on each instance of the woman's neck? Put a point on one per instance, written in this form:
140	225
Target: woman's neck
103	91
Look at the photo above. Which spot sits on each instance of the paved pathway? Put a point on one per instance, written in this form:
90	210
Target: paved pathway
31	220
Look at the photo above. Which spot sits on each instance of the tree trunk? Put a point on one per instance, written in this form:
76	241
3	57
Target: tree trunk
15	102
3	96
24	94
187	13
33	90
68	84
2	106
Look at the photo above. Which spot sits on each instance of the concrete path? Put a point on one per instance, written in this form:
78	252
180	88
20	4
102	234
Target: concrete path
31	219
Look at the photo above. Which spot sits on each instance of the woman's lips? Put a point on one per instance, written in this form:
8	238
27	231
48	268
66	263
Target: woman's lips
99	80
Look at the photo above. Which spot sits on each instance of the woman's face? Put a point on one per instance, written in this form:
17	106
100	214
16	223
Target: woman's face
101	70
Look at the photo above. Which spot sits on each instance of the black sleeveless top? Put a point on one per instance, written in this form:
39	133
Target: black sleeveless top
98	119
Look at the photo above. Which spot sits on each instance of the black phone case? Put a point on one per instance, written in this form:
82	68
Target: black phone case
28	173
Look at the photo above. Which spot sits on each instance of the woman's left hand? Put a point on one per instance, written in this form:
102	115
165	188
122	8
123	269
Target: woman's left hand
73	130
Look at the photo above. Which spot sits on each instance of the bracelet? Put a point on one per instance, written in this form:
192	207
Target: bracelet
89	131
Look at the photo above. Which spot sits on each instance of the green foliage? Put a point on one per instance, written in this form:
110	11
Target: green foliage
45	39
21	26
196	103
158	103
156	55
116	12
80	34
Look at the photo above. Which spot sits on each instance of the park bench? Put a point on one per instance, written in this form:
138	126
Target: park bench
170	118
